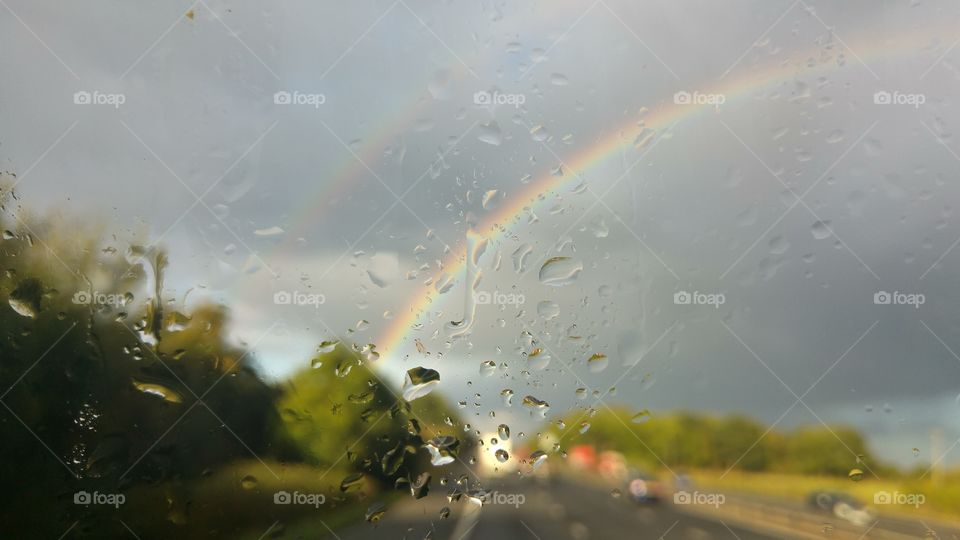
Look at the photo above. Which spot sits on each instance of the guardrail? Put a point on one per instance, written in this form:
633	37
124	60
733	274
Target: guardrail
790	523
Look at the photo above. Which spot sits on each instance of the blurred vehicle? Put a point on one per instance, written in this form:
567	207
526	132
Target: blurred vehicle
644	488
582	457
612	465
842	506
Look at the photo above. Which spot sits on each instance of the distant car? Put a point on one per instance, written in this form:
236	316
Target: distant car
644	488
842	506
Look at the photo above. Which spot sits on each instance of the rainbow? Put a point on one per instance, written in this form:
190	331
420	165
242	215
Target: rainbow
352	168
664	116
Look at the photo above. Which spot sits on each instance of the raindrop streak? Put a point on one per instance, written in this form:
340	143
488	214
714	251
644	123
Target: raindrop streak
519	257
560	271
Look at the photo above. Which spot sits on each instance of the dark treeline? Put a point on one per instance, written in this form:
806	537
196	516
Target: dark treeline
109	385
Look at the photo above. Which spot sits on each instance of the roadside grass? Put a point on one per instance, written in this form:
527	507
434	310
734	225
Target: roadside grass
238	500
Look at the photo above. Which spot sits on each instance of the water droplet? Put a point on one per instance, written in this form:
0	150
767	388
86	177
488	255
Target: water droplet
25	299
616	493
443	450
504	431
420	487
856	475
560	271
537	458
159	390
490	133
491	199
327	346
502	455
519	257
384	269
641	417
538	359
488	368
548	310
916	452
419	382
444	512
597	363
352	482
537	405
375	512
821	230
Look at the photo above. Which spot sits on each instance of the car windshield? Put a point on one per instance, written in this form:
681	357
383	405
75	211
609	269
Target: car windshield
480	269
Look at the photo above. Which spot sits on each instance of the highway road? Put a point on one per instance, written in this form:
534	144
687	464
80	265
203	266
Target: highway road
560	509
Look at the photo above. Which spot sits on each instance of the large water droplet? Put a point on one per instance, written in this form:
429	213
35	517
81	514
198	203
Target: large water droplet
548	310
419	382
25	299
490	133
560	271
443	450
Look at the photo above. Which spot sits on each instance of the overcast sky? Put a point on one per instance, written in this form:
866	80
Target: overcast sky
794	191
